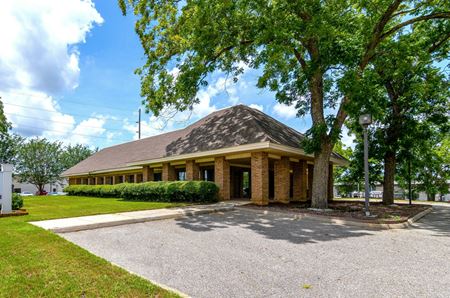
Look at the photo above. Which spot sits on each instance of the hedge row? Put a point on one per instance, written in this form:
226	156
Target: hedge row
176	191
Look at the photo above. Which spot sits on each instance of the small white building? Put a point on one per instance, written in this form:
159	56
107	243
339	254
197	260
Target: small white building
28	187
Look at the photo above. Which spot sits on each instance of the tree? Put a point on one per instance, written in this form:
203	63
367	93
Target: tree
310	53
408	97
4	124
39	162
9	147
73	154
431	166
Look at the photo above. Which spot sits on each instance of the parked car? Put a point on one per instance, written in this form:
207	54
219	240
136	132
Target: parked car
26	194
41	193
376	194
57	193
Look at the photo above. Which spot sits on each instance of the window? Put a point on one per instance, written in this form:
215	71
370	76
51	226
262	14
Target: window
157	176
181	175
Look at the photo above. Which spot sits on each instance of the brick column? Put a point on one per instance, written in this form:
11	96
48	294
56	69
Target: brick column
282	179
192	170
300	180
147	174
330	183
168	172
260	178
222	177
310	180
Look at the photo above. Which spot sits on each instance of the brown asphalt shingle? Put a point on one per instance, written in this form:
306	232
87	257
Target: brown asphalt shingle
238	125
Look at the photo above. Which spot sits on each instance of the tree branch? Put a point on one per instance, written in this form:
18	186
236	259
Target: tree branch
438	44
300	59
433	16
340	118
377	33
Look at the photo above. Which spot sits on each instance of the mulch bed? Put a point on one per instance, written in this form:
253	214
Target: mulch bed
19	212
351	210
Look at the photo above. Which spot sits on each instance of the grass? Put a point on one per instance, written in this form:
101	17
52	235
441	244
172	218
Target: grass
38	263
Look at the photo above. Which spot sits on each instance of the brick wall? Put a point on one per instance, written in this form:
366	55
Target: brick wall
282	179
168	172
192	170
260	178
222	177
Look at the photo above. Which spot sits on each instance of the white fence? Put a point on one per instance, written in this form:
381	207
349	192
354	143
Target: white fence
6	188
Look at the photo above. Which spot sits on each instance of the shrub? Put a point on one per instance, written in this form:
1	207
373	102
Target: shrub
17	201
174	191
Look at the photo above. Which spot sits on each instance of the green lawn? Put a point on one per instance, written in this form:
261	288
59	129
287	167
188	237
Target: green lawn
38	263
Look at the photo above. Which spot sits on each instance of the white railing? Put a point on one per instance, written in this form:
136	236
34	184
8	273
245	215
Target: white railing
6	188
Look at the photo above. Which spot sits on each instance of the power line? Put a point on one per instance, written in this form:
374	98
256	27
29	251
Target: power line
50	111
59	101
60	131
64	123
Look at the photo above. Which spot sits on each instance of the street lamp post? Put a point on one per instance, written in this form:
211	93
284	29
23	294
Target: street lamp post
365	120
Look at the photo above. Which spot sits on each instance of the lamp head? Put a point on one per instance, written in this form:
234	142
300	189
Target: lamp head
365	119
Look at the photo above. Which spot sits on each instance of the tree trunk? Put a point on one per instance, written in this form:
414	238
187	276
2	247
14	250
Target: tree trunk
40	188
431	197
389	177
322	156
320	177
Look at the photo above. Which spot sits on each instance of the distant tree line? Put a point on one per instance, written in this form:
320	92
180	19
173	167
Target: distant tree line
37	160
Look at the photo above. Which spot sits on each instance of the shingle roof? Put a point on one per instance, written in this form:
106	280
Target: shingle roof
238	125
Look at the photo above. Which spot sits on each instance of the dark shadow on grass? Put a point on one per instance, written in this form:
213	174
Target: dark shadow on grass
274	226
438	221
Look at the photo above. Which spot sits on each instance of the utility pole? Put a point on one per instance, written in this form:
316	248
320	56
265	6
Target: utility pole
139	125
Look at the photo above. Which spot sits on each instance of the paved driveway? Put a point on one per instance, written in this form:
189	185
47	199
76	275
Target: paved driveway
248	254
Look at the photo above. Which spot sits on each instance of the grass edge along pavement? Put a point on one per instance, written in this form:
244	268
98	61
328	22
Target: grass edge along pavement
35	262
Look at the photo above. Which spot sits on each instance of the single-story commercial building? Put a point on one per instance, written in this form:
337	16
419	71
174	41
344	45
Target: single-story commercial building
247	153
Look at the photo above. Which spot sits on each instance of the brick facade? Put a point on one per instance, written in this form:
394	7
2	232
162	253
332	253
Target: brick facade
147	174
282	179
310	180
300	181
222	177
192	170
168	172
260	178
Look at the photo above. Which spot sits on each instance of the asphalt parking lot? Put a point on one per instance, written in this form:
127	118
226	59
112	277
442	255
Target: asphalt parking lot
249	254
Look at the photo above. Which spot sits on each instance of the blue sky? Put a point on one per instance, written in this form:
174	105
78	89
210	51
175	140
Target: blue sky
74	81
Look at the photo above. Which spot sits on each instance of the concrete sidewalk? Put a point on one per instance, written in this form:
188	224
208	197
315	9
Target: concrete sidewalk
74	224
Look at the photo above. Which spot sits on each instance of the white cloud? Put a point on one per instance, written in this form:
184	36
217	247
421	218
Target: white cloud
285	111
38	58
256	106
38	39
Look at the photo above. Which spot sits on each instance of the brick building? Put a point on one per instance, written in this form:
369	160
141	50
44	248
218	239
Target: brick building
247	153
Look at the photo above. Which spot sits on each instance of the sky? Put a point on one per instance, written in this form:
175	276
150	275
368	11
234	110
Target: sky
67	70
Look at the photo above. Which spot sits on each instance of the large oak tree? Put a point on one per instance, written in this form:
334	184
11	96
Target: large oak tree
309	52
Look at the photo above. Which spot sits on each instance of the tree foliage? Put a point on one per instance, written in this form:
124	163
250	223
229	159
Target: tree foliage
73	154
39	162
310	53
9	147
4	124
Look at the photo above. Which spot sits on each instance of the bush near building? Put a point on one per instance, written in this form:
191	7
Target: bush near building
161	191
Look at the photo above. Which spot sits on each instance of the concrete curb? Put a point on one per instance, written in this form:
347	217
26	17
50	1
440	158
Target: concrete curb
340	221
171	214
